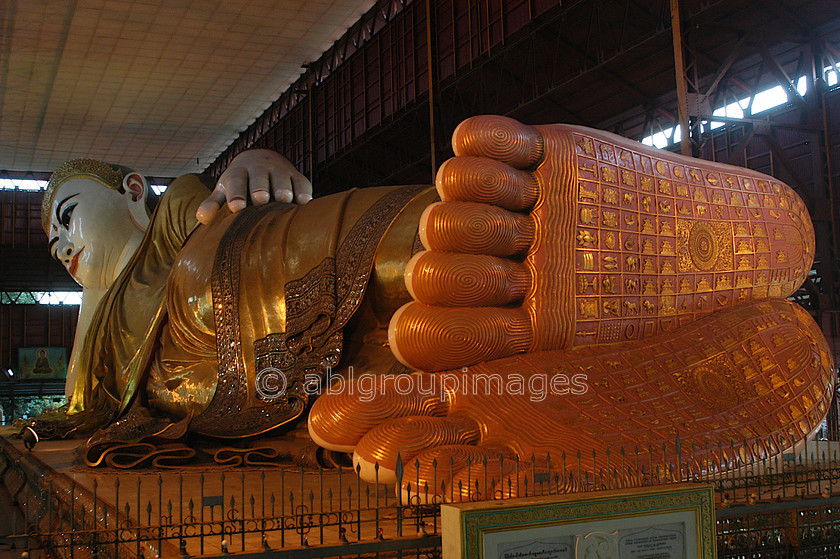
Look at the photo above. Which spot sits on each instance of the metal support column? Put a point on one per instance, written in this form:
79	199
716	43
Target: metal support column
679	66
431	56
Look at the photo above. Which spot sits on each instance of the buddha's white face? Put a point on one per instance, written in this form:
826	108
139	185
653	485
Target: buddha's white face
91	229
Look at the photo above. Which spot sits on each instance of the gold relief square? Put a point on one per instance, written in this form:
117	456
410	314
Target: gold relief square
667	246
723	298
647	203
685	283
649	326
627	177
649	286
610	240
761	278
605	151
628	263
610	262
609	331
589	192
629	222
587	261
695	176
774	290
587	239
609	195
649	265
712	178
625	158
668	323
584	145
728	181
610	285
587	283
588	216
608	174
610	218
723	281
686	316
743	245
587	168
668	285
685	209
719	212
610	307
628	199
630	284
588	308
648	245
664	206
745	263
631	307
647	184
643	163
770	201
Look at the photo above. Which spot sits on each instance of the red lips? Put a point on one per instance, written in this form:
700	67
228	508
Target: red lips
74	262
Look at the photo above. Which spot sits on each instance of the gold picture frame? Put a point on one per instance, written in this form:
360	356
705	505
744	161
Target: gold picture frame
668	522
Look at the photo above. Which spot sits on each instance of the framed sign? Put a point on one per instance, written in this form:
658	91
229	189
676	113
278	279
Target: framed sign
42	362
666	522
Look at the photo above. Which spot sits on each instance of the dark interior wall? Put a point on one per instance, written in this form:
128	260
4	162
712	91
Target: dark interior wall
361	116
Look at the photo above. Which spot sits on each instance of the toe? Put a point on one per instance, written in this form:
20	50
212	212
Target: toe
456	473
439	338
406	437
474	228
473	179
339	418
465	280
499	137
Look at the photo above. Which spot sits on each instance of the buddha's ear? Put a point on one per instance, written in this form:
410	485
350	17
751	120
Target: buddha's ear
137	190
136	186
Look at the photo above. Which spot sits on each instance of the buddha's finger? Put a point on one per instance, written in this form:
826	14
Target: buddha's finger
281	186
208	209
258	185
434	338
302	187
476	179
235	186
500	138
475	228
465	280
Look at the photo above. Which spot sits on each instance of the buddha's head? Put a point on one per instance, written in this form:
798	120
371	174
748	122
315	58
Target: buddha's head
95	215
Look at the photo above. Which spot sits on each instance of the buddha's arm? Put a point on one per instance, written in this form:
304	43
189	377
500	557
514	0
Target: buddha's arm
90	301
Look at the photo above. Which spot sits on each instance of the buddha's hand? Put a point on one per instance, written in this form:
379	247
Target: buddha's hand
259	176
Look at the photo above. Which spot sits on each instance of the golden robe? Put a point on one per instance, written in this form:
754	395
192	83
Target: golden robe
199	312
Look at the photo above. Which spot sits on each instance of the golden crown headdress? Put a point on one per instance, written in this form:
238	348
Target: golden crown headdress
90	168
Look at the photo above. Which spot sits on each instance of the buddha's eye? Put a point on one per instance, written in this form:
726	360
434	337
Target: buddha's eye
66	215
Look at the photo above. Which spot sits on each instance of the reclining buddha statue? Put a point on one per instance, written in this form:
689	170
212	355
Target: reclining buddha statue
561	289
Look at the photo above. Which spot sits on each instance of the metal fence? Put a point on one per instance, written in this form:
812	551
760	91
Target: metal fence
767	507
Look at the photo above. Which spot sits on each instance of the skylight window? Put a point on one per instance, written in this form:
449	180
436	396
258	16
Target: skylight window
32	185
22	184
40	297
761	101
